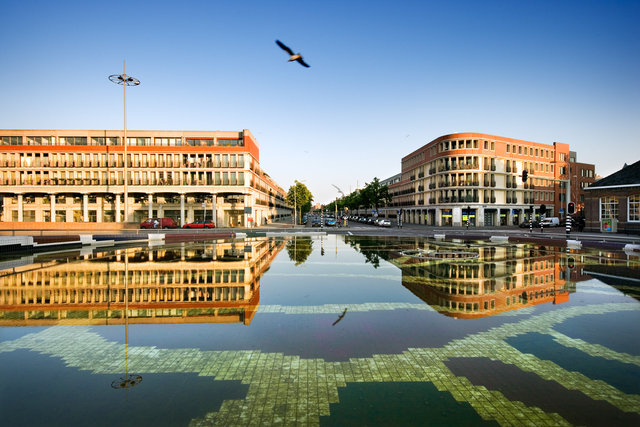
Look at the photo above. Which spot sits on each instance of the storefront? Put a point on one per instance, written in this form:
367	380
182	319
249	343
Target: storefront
446	217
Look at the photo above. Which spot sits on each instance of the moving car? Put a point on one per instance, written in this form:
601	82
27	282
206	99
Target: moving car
158	223
200	224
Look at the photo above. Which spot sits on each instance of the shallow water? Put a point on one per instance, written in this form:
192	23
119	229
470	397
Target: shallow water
327	330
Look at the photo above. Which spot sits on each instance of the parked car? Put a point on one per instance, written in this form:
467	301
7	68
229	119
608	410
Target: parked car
384	223
330	222
200	224
526	224
158	223
551	222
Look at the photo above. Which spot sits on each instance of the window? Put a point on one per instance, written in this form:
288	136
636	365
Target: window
168	142
140	142
608	207
200	142
508	151
38	140
633	204
230	142
11	140
73	140
100	140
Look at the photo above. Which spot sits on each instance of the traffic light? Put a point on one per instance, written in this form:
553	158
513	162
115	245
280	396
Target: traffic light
571	208
571	263
525	175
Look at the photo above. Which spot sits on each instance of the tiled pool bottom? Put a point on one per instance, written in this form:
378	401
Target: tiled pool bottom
391	359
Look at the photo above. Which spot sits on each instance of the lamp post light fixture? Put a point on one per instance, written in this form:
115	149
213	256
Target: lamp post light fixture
124	80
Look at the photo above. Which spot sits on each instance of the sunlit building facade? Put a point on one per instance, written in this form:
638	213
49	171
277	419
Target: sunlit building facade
78	176
477	177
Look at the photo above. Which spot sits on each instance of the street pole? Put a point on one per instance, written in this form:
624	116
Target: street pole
124	80
568	218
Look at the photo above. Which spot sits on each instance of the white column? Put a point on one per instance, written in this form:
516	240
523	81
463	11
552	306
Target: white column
100	210
85	207
118	208
151	206
53	207
247	204
181	210
20	217
214	216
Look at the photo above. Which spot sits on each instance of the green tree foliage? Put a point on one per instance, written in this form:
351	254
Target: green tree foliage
373	195
300	196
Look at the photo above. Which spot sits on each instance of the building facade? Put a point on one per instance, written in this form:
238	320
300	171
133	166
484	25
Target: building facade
477	177
612	203
65	176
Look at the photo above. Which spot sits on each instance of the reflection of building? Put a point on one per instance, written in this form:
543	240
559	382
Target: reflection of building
208	282
500	279
477	176
57	176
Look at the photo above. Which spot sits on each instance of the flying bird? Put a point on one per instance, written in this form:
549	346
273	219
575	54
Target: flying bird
292	56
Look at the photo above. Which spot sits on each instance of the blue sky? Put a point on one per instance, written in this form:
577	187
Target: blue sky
386	77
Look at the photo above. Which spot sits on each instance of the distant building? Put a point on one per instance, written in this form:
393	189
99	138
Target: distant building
477	177
612	204
56	177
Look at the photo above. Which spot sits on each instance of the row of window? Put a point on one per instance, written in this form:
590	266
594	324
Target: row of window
609	208
117	178
143	160
114	140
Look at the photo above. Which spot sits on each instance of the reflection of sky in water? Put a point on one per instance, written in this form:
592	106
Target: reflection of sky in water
303	358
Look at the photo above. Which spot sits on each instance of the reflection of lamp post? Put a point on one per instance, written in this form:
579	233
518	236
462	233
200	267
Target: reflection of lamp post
129	380
124	80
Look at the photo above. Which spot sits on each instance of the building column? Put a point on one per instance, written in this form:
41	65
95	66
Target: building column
100	210
151	205
20	216
117	207
52	200
214	212
181	209
85	207
247	204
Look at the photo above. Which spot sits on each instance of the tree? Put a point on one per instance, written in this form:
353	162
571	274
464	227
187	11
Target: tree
300	197
377	194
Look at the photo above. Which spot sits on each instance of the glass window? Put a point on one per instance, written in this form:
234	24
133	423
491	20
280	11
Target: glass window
197	142
608	207
73	140
634	207
11	140
230	142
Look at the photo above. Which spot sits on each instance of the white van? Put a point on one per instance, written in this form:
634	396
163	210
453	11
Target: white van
553	221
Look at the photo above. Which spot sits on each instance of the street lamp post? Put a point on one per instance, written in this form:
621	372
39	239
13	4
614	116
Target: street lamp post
124	80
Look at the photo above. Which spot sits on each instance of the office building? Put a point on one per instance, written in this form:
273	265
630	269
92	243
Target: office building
477	178
55	177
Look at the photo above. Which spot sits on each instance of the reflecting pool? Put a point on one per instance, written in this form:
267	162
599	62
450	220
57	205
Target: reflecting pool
323	330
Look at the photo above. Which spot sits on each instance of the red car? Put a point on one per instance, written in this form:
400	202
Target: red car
200	224
159	223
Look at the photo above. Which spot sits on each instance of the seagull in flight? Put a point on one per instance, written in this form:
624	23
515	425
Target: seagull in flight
292	56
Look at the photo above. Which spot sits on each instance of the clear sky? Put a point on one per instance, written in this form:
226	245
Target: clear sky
386	77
